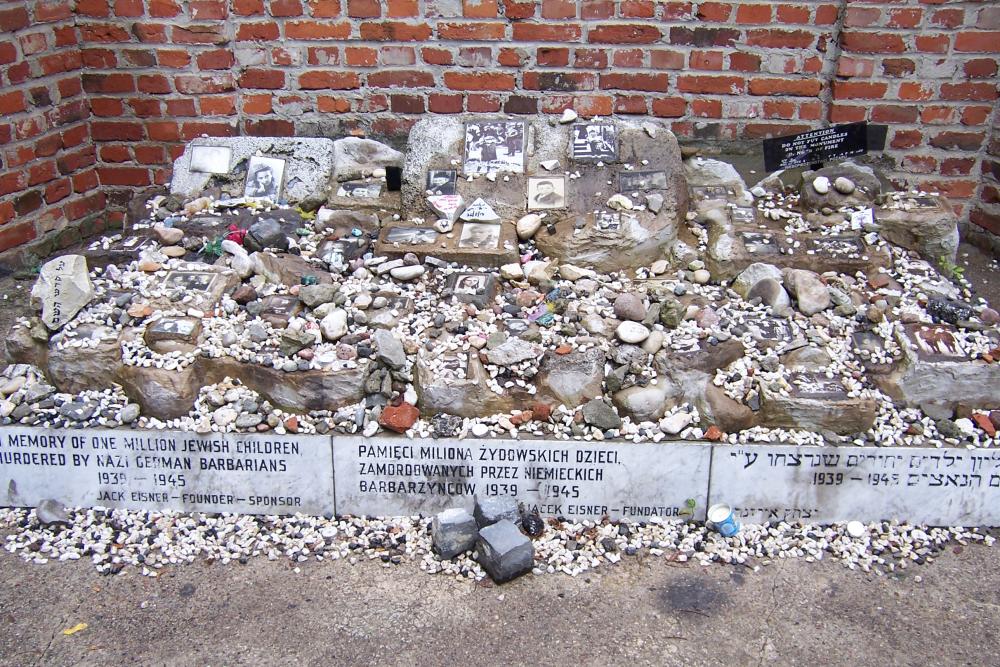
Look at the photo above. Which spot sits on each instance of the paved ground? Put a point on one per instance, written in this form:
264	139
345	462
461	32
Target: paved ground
651	612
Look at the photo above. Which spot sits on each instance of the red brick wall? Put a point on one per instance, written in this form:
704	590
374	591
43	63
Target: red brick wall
47	161
986	204
157	73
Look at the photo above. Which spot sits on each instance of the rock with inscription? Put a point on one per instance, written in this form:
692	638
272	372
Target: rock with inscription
453	532
164	394
504	551
77	369
490	509
816	403
927	225
62	290
389	350
599	414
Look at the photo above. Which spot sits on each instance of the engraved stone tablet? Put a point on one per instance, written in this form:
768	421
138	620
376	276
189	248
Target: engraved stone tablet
158	470
822	484
573	480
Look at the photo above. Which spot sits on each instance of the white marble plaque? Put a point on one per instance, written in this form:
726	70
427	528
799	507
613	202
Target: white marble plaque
155	470
952	487
575	480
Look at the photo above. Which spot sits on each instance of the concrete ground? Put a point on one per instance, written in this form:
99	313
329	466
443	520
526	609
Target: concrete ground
648	612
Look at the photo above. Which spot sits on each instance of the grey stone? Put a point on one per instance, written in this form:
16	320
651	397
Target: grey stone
453	532
292	341
62	290
808	290
601	415
315	295
513	351
647	403
629	307
490	509
389	349
334	325
672	312
266	233
571	379
504	551
354	158
51	512
753	274
308	165
771	293
129	413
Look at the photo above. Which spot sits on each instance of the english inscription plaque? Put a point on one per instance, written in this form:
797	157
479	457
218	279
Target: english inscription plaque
158	470
575	480
829	143
952	487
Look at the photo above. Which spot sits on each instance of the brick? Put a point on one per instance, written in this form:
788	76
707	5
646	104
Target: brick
905	18
479	81
128	8
978	216
980	68
977	42
139	58
976	115
437	56
630	104
107	107
753	13
115	153
552	57
512	57
116	131
559	81
329	55
869	42
629	58
149	154
478	103
956	166
269	127
374	103
164	9
324	8
363	9
855	67
590	58
623	34
108	83
702	108
52	10
550	32
591	10
663	59
406	104
33	43
781	39
645	82
471	31
793	14
307	30
799	87
48	146
13	102
41	172
919	164
903	139
8	53
860	17
327	104
205	10
14	19
843	113
717	85
716	12
398	55
933	43
269	79
56	192
848	90
637	9
894	113
395	31
102	33
774	109
444	103
401	79
979	92
914	92
703	37
521	104
669	107
15	235
259	32
248	7
898	67
480	9
286	8
215	59
322	80
155	84
931	114
192	130
359	56
204	84
261	104
965	141
150	33
706	60
558	9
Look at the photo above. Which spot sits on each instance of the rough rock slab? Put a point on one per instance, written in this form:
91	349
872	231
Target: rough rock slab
62	290
453	532
504	551
925	224
490	509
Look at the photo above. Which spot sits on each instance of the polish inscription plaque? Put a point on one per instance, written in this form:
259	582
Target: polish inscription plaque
159	470
575	480
941	487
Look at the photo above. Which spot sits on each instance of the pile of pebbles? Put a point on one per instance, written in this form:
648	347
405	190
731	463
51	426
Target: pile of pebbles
152	542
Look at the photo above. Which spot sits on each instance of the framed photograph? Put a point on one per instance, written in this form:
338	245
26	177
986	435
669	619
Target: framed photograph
609	222
759	243
743	215
593	142
640	181
411	235
211	159
546	192
481	235
471	283
264	178
494	147
360	190
190	281
441	181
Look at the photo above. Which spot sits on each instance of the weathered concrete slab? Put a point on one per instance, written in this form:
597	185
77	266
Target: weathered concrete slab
158	470
574	480
822	484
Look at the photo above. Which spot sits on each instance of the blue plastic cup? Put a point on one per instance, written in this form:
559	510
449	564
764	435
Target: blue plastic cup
722	519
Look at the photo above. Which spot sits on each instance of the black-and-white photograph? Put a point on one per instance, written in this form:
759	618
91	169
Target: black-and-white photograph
481	235
441	181
641	181
594	142
195	281
281	304
609	222
264	177
211	159
180	326
359	190
334	253
546	192
759	243
494	147
411	236
706	192
743	215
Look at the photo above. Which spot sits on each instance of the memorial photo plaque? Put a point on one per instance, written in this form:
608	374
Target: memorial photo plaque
743	215
545	193
939	487
494	147
481	235
167	470
594	142
610	222
411	236
264	178
641	181
935	342
576	481
190	281
359	190
278	309
441	182
807	148
211	159
759	243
